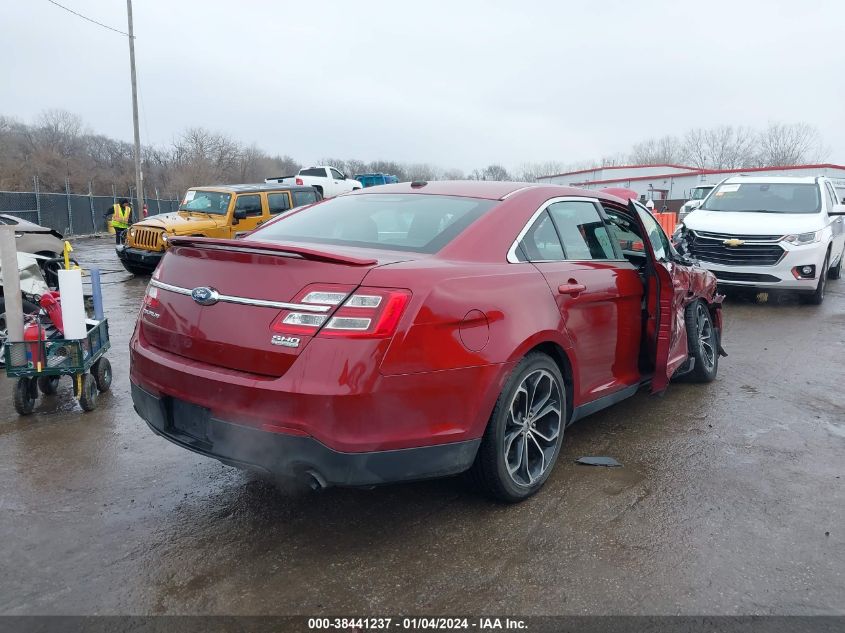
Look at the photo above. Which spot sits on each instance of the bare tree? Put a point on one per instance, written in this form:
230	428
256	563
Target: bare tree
453	174
529	172
663	150
723	147
790	144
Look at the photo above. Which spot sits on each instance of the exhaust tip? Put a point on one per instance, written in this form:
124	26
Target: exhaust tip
316	480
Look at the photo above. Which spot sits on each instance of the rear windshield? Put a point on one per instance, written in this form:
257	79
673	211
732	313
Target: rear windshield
212	202
313	171
765	198
411	222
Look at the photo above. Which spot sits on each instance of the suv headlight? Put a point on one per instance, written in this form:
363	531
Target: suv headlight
803	238
164	238
131	232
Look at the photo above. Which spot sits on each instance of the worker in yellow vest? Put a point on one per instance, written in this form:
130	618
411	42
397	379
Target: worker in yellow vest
121	218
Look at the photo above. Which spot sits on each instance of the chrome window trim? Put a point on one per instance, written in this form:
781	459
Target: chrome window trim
515	191
512	258
261	303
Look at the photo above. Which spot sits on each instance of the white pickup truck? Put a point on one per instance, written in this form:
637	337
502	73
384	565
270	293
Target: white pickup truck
329	181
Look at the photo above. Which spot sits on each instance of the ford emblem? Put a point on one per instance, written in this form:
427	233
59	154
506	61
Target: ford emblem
205	296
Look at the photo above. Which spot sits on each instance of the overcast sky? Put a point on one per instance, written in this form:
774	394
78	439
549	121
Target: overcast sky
459	84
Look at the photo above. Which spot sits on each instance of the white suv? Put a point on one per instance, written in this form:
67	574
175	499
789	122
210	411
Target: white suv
769	232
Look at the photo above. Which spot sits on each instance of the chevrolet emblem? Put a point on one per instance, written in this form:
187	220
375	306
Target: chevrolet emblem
733	242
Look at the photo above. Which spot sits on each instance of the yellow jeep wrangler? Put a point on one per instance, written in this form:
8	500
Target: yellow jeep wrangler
209	212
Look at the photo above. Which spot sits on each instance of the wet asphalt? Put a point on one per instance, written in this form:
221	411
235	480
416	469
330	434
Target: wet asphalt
731	501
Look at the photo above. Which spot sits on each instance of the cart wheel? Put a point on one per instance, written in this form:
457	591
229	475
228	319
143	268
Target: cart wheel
88	397
48	384
24	399
102	373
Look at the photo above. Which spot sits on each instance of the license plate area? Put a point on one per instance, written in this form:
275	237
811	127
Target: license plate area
190	420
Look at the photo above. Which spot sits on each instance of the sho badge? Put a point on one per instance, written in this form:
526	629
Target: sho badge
205	296
285	341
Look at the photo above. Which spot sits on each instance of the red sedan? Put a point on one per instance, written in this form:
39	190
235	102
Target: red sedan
418	330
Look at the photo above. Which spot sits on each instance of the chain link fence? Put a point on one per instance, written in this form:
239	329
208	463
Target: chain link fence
71	213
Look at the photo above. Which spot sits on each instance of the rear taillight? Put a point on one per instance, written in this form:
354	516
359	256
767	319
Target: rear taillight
151	296
299	181
369	313
364	313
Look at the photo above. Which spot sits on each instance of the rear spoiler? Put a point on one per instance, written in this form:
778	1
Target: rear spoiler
270	248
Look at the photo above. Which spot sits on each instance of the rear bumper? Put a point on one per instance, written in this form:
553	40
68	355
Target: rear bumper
138	257
298	456
340	400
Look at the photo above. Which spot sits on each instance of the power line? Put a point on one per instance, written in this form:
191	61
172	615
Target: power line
105	26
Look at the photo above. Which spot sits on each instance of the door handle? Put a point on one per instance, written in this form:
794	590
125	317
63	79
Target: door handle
571	287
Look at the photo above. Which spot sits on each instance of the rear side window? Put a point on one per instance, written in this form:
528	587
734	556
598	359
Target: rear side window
251	204
541	242
301	198
314	171
581	230
408	222
278	202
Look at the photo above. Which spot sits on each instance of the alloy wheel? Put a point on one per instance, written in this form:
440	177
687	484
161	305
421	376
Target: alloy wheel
534	423
705	337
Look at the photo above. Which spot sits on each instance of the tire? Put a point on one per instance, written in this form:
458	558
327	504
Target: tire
24	398
836	272
88	397
817	297
319	190
702	341
140	271
48	384
517	455
101	370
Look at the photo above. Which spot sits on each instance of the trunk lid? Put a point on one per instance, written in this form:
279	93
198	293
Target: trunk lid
251	279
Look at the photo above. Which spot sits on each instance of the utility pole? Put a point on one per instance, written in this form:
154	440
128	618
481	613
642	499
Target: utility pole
139	176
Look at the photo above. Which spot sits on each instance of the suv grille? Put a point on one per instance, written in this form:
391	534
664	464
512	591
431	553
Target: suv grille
729	236
711	247
149	239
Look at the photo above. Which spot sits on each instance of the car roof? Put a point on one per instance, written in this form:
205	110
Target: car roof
772	180
485	189
255	188
21	224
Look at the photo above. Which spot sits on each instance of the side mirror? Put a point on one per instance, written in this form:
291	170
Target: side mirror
240	214
839	209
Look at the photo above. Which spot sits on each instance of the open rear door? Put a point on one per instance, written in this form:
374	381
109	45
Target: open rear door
667	295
